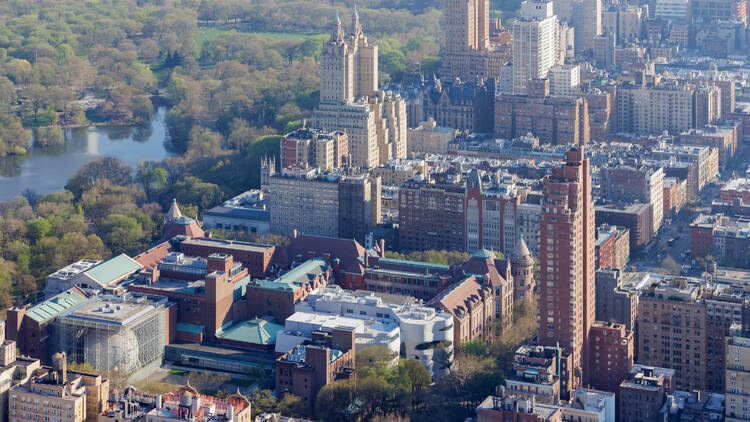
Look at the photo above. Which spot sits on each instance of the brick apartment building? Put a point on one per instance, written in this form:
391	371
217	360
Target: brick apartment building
682	325
725	238
636	217
307	368
431	215
612	348
612	246
552	120
630	181
736	188
642	395
675	196
567	261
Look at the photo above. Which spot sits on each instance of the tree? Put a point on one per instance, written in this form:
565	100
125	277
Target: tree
48	136
334	400
263	401
194	191
7	93
39	228
109	168
122	233
414	377
151	179
38	97
669	266
13	137
292	405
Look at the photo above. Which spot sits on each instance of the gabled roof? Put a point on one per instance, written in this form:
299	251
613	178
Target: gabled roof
112	270
345	250
54	306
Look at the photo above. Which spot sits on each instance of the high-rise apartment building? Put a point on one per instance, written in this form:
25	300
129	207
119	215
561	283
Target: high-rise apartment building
348	65
682	325
612	348
314	148
491	214
587	21
737	390
653	110
629	182
535	48
566	261
431	215
564	81
375	123
468	50
315	202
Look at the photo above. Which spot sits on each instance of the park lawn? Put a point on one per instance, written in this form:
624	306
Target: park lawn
213	32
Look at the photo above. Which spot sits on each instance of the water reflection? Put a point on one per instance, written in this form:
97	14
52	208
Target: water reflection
46	170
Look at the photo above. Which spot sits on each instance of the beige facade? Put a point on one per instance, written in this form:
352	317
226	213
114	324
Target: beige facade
643	110
535	38
737	393
58	395
428	138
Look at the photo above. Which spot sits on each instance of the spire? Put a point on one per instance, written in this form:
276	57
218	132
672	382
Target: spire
521	253
174	212
337	34
356	28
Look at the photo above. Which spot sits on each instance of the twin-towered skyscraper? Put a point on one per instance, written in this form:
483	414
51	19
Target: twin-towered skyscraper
374	121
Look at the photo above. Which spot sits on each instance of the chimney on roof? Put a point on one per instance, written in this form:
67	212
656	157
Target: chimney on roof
294	234
382	247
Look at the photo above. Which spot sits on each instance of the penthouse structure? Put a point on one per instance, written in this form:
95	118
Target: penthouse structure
56	392
642	395
424	333
315	202
541	373
314	148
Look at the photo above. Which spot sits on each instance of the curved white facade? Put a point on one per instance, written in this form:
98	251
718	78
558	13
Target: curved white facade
426	334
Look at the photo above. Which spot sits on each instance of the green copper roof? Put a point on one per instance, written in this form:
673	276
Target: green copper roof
416	264
255	331
113	269
483	254
296	277
185	327
55	305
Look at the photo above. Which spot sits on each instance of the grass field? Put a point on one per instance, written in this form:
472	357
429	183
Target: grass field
210	33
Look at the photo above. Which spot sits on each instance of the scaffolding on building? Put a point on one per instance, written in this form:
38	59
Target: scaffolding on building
125	345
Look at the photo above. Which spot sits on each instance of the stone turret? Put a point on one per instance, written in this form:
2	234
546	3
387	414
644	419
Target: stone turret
522	269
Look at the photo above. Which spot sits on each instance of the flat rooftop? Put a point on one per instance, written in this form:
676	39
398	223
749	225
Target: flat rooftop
114	312
228	244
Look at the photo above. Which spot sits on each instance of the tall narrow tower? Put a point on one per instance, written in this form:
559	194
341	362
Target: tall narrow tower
337	68
467	25
535	40
566	262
